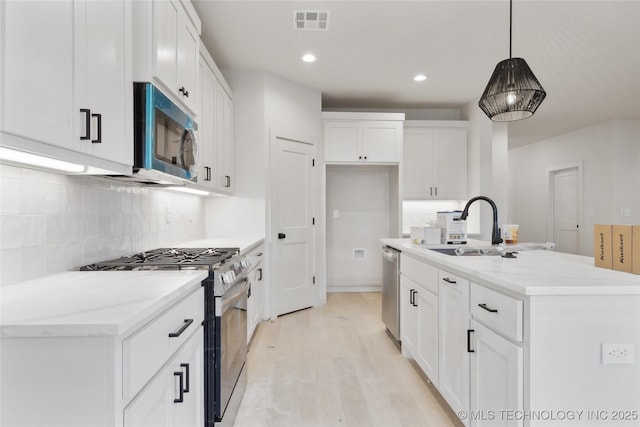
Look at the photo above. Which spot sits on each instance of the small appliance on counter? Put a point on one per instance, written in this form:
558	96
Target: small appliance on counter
425	235
453	229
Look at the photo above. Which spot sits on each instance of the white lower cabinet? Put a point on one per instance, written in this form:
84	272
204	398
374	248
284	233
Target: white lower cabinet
453	356
497	382
174	397
419	315
257	291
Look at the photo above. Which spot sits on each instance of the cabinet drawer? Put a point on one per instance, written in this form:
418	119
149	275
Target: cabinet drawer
149	348
499	312
420	272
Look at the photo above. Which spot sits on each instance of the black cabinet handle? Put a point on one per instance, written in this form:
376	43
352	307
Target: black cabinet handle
186	370
87	124
359	157
207	174
431	191
446	279
249	292
281	235
183	328
182	90
412	297
365	157
469	332
228	181
491	310
99	139
179	374
436	190
186	93
259	274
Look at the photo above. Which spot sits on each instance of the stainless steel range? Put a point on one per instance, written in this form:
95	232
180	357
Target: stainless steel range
225	319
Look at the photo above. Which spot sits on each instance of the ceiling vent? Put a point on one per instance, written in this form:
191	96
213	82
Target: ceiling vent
313	20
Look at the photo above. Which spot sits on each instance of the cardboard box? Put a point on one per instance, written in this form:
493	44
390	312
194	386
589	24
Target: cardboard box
621	238
635	252
602	245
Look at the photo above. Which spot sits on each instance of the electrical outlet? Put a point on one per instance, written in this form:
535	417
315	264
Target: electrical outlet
625	212
336	213
617	353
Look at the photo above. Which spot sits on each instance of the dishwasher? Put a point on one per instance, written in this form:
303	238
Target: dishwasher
391	290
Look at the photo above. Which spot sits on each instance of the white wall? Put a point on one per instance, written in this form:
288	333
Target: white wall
361	195
51	223
261	102
487	163
610	154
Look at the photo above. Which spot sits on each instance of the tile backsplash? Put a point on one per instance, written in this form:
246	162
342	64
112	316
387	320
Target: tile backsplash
51	223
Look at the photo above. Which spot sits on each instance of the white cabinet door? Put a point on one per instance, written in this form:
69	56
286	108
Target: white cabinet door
427	357
175	396
188	41
107	87
496	377
453	356
165	31
207	145
381	141
176	51
224	179
434	163
38	72
417	163
342	141
408	317
363	141
450	166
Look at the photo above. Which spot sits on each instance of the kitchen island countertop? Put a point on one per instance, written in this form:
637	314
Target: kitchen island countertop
535	272
91	303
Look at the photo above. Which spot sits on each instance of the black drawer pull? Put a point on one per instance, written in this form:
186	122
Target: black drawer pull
446	279
98	140
469	350
179	374
87	124
259	274
186	370
491	310
183	328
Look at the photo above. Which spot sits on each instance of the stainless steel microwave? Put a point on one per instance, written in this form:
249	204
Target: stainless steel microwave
165	142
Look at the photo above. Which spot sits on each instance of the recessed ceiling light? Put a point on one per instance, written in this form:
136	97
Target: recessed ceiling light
420	78
309	58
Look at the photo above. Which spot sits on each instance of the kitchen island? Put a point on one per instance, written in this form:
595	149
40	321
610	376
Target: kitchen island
544	339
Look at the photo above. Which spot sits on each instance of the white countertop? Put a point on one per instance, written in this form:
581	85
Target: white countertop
91	303
244	243
536	272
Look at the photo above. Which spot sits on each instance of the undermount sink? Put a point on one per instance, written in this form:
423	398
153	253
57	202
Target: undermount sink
452	252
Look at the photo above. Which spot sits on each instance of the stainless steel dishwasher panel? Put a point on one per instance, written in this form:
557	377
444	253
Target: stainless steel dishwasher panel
391	290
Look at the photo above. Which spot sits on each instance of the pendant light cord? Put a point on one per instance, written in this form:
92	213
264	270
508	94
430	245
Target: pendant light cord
510	24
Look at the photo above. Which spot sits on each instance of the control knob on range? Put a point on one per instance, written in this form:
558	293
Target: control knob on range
228	277
246	262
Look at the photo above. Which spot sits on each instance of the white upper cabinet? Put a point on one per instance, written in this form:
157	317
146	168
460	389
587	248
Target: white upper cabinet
435	160
66	77
166	48
362	137
215	128
176	51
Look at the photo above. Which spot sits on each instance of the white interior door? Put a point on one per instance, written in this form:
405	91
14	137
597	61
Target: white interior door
565	210
291	225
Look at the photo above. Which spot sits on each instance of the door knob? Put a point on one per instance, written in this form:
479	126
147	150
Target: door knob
281	235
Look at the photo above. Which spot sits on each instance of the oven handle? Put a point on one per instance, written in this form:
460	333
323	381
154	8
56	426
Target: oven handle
239	291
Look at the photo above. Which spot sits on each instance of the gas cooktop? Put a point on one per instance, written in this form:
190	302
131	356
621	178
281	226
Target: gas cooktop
168	259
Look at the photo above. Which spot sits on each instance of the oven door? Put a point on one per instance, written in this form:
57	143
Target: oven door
232	341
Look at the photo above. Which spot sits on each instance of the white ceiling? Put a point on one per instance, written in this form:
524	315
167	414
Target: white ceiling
586	54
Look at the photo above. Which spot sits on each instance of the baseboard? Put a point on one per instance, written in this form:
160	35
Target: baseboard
356	288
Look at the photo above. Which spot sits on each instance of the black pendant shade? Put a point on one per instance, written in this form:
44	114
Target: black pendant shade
513	92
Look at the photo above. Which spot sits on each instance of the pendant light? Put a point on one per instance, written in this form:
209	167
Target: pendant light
513	92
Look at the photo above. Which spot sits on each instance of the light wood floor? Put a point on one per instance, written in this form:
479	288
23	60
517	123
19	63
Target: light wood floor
335	366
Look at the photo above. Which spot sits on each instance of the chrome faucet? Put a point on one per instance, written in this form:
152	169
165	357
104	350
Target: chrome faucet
495	231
